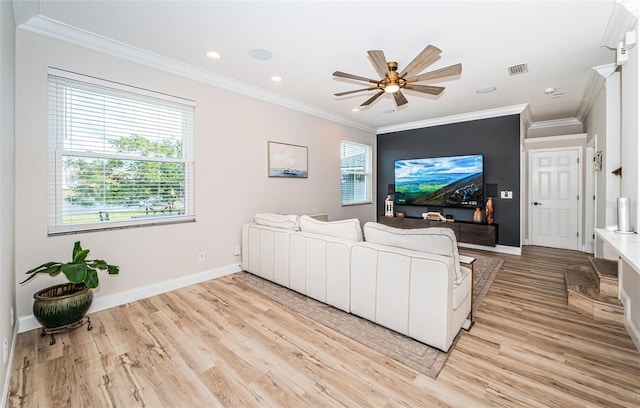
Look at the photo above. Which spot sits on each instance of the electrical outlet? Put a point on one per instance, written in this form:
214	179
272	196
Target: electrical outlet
236	250
5	351
201	256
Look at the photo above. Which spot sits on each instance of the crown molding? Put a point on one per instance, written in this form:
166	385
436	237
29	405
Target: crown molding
595	82
464	117
24	10
633	6
527	117
623	18
606	70
63	32
555	123
580	138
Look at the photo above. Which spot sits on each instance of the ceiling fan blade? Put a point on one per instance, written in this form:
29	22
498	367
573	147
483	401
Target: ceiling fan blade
433	90
373	98
356	77
400	99
427	57
379	62
451	70
357	90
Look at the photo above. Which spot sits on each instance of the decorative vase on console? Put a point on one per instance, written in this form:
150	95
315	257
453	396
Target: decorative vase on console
477	215
489	210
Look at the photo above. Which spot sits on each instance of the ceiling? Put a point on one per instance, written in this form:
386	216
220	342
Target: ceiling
309	40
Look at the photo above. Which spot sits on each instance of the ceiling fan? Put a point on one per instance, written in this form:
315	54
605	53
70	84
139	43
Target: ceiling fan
393	82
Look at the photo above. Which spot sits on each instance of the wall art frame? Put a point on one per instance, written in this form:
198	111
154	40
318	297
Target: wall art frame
288	160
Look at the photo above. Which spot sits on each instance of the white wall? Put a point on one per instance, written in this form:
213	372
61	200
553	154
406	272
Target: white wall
7	277
232	131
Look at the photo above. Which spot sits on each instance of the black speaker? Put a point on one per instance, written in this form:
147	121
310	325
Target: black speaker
391	190
491	190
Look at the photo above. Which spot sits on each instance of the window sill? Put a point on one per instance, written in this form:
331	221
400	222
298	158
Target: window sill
110	226
357	203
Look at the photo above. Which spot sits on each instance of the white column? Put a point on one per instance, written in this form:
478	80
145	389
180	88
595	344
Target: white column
610	143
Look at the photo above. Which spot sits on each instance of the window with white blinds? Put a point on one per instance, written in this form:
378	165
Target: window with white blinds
119	156
355	173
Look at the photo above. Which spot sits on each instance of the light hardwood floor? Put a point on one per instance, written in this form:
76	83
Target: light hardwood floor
217	344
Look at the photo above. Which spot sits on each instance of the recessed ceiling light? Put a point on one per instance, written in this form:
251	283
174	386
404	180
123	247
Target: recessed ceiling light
388	110
276	79
549	90
355	110
213	55
259	53
486	90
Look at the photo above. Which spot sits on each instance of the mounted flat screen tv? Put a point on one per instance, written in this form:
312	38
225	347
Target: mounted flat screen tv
455	181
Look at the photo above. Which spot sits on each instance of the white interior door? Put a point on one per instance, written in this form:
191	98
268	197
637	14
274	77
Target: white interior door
554	198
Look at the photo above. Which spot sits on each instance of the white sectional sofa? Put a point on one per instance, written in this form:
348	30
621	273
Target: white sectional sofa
410	281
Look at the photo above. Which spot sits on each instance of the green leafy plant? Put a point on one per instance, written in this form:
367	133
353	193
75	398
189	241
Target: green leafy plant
79	270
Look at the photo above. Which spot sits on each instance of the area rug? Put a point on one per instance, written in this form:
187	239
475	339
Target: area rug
422	358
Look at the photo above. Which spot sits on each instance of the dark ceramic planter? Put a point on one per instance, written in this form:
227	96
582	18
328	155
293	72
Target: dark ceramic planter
62	305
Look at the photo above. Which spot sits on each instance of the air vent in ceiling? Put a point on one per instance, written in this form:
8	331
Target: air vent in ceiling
518	69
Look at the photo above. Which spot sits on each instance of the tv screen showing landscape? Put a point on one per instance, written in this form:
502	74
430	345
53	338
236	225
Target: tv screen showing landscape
454	181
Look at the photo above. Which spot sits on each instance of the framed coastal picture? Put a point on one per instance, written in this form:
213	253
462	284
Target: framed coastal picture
287	160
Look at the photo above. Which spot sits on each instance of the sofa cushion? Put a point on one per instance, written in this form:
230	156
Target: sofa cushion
440	241
347	229
286	221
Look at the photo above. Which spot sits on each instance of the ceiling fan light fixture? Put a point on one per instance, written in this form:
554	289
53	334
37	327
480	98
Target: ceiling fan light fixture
392	88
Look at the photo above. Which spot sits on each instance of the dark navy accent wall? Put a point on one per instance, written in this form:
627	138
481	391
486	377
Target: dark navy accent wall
498	139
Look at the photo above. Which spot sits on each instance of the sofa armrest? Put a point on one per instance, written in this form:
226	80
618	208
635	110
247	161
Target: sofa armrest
467	261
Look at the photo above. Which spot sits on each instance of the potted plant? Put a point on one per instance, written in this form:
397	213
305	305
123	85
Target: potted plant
65	305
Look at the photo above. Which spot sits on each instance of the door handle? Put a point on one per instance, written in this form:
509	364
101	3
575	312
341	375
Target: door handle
536	203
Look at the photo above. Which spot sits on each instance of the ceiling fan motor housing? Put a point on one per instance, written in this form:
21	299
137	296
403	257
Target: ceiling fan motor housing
391	83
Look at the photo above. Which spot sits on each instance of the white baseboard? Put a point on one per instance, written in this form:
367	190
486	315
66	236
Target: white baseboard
7	379
505	249
633	331
26	323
